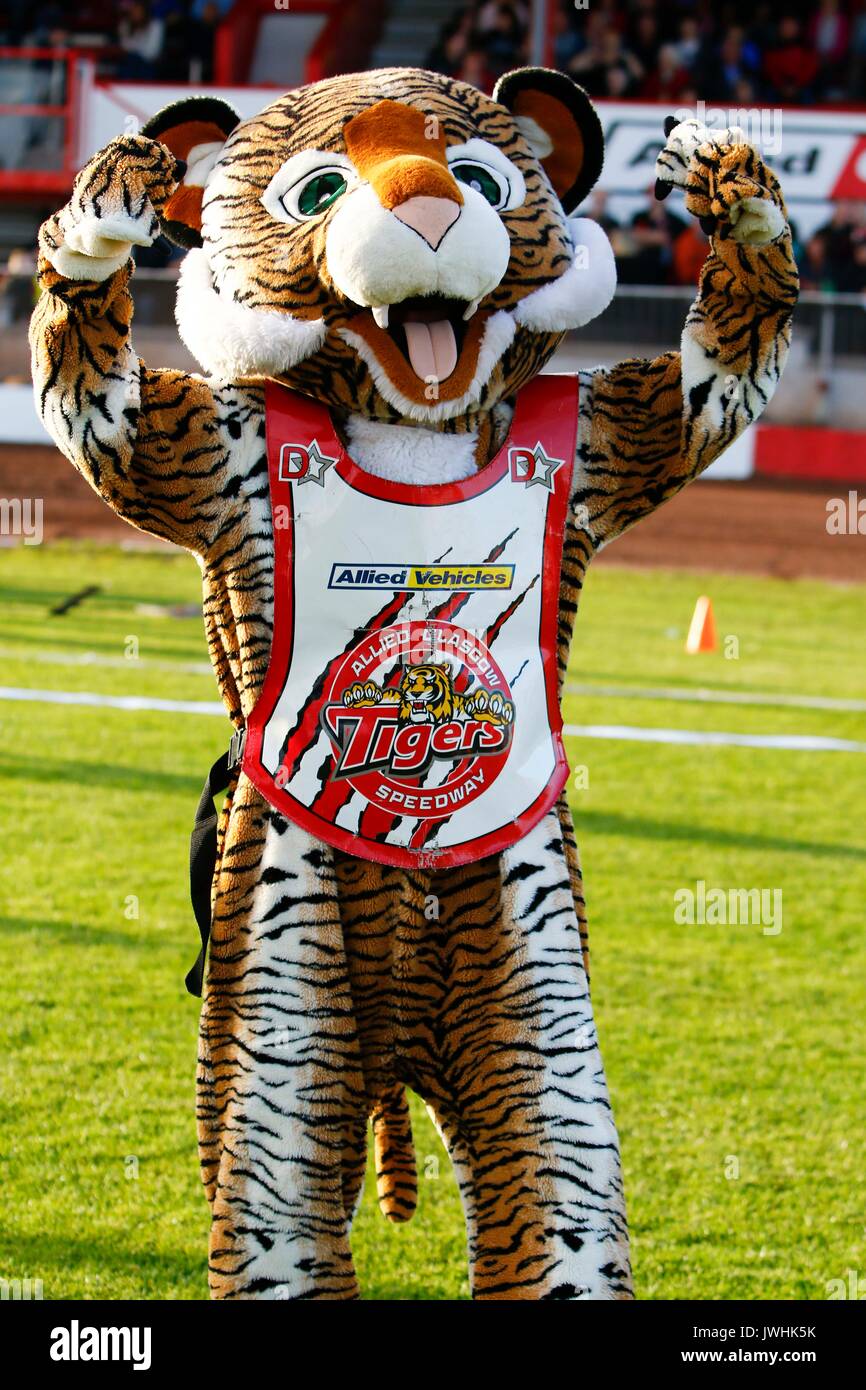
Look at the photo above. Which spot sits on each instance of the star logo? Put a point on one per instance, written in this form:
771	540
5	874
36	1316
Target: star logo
319	465
533	466
304	463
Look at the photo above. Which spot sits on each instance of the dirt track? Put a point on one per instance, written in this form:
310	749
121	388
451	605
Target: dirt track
755	527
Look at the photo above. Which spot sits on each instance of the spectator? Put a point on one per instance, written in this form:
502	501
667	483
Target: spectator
857	78
502	39
737	61
50	27
828	37
140	36
724	64
645	249
845	237
790	66
857	274
204	19
567	41
644	40
598	211
18	288
688	44
474	69
607	69
450	48
673	54
669	81
744	94
174	59
689	254
814	264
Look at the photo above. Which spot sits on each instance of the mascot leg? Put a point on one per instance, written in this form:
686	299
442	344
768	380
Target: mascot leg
528	1119
282	1115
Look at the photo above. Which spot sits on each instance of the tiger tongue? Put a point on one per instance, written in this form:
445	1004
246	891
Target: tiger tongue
432	347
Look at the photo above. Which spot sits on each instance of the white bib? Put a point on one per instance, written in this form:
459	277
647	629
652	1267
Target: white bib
409	714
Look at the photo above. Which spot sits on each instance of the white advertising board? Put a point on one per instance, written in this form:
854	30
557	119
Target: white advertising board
818	156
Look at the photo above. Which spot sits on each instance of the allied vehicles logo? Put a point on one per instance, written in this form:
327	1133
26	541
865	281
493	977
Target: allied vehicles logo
437	576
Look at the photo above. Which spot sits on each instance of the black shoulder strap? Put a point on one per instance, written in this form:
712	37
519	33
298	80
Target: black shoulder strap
203	851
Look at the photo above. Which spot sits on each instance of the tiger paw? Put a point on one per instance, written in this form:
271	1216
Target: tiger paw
490	709
727	185
361	693
114	206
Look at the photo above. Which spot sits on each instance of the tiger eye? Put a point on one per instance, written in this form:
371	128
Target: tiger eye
477	177
320	193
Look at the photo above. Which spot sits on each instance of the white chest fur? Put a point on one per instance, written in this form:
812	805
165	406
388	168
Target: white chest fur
410	454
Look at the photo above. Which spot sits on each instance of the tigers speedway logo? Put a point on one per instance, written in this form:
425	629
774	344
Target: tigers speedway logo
420	718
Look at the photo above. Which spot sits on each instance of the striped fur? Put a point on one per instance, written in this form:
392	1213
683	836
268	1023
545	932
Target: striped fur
334	983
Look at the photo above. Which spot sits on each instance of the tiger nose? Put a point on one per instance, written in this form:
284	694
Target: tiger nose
429	217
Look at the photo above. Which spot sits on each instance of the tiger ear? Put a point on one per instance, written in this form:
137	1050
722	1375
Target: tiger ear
195	130
560	123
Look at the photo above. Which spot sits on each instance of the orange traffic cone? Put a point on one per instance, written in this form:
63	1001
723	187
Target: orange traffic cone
702	633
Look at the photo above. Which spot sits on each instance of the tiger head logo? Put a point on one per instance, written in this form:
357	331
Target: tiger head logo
426	695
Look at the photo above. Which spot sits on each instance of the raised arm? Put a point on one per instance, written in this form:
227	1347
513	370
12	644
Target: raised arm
153	444
649	427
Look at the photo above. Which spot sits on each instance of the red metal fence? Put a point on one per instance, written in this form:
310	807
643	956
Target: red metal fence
39	90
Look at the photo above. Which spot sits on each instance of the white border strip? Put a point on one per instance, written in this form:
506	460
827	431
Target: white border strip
716	697
806	743
696	737
128	663
660	693
127	702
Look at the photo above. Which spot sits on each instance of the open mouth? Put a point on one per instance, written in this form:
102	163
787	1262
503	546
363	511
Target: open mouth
429	331
426	348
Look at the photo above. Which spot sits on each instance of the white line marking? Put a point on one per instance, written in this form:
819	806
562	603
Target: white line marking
616	692
128	702
59	658
799	742
717	697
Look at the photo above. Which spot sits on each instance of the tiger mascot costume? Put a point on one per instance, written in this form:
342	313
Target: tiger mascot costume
383	264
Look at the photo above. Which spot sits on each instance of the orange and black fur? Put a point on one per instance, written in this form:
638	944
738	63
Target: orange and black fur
317	229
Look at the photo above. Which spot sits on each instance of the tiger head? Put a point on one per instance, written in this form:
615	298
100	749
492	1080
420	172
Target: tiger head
393	243
426	695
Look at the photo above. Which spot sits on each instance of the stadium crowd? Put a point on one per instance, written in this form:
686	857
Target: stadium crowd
655	247
137	40
734	53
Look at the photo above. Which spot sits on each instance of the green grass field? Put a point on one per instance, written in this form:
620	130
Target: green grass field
735	1058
